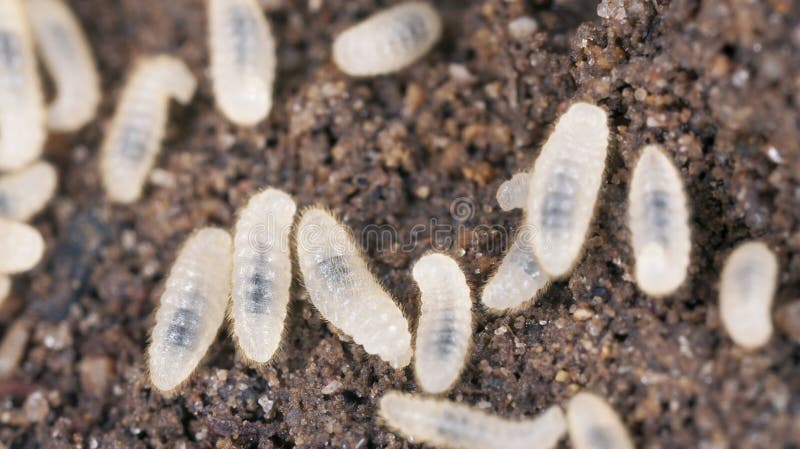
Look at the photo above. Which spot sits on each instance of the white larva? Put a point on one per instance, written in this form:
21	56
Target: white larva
658	218
344	291
518	280
69	60
564	185
593	424
192	308
451	425
262	273
21	247
388	41
746	292
513	194
25	192
445	323
134	138
243	59
22	114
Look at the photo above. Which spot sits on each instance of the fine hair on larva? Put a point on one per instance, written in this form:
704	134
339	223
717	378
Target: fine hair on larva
451	425
262	273
388	41
444	331
344	290
519	280
69	60
746	292
658	218
243	59
133	139
22	114
21	247
25	192
593	424
192	308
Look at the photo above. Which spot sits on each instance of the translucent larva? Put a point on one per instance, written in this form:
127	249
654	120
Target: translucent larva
68	58
134	138
262	273
518	280
243	59
593	424
448	424
564	185
25	192
388	41
345	292
513	193
192	307
22	115
21	247
747	287
659	222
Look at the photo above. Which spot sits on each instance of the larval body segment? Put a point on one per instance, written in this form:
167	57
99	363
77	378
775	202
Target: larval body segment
21	247
518	280
513	194
593	424
25	192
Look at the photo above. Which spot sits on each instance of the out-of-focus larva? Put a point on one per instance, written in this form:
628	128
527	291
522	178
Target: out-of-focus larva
345	292
69	60
22	115
658	218
21	247
445	322
12	349
593	424
513	193
5	287
564	185
448	424
192	307
388	41
25	192
746	291
262	273
134	138
519	278
243	59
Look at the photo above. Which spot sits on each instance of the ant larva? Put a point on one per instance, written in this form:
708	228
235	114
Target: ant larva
593	424
21	247
518	280
25	192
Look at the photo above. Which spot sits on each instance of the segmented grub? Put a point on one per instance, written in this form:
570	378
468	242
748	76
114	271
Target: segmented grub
25	192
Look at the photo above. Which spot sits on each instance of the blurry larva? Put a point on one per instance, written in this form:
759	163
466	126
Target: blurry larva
747	287
22	115
21	247
659	222
519	278
25	192
445	322
388	41
452	425
262	273
564	184
134	138
593	424
345	292
243	59
5	287
192	307
69	60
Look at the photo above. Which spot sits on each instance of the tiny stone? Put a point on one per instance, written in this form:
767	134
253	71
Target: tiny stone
36	407
787	317
422	192
640	94
266	404
523	27
332	387
582	314
460	74
162	178
562	376
95	374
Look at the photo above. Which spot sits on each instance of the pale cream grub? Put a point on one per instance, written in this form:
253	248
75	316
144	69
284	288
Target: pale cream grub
518	280
25	192
21	247
593	424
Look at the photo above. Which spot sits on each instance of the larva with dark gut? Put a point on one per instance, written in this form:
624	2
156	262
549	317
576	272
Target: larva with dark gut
388	41
518	280
21	247
344	291
25	192
262	273
593	424
192	307
243	59
133	141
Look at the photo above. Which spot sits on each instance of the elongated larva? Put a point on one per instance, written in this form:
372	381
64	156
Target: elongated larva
192	307
21	247
345	292
25	192
659	222
513	194
69	60
564	185
451	425
518	280
746	291
22	115
593	424
388	41
134	139
262	273
243	59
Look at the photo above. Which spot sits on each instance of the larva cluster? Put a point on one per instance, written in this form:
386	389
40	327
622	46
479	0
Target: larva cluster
21	247
388	41
25	192
518	279
593	424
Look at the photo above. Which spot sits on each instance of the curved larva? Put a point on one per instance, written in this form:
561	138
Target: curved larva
513	194
262	273
192	307
456	426
593	424
518	280
21	247
134	138
345	292
747	287
658	218
243	59
388	41
66	53
25	192
564	185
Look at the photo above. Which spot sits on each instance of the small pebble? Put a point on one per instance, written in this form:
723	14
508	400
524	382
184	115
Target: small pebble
522	28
